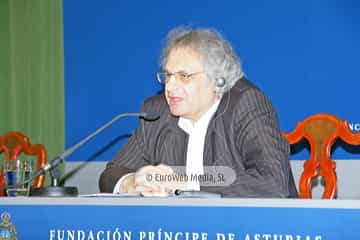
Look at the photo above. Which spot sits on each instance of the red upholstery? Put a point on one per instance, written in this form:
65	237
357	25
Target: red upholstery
14	143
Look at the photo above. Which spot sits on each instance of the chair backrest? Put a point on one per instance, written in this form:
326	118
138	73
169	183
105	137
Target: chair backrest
321	131
14	143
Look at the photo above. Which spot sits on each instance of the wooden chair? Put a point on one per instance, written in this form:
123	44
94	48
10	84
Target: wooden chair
321	131
14	143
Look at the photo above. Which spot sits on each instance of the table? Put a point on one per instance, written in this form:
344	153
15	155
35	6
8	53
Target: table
128	218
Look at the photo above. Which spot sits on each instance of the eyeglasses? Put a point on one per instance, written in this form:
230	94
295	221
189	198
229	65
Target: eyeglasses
183	77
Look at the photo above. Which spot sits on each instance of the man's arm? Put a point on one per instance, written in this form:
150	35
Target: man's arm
265	153
136	153
131	157
267	169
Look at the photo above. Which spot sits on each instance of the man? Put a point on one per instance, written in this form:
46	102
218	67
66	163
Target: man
210	115
7	229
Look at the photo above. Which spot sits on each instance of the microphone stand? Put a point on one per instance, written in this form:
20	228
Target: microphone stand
54	190
57	191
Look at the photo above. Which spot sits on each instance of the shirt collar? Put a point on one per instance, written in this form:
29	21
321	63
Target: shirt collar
188	126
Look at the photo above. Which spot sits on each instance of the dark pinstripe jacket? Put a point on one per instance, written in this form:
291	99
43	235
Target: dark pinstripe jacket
243	134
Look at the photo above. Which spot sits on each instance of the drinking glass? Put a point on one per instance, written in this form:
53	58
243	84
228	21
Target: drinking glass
17	173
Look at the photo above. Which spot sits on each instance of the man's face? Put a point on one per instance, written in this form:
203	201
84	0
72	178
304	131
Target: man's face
6	219
193	98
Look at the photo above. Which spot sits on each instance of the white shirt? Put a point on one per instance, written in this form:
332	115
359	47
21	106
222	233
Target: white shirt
195	149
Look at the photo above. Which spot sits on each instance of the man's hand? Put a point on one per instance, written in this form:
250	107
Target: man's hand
148	184
147	181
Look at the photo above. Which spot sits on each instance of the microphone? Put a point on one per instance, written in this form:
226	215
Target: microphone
54	190
195	194
150	115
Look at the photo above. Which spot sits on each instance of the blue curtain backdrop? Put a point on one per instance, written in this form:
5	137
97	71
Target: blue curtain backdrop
304	54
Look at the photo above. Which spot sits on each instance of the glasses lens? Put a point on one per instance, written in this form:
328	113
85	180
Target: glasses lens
161	77
183	77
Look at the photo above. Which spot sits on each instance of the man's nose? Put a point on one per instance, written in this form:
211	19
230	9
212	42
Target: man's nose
171	83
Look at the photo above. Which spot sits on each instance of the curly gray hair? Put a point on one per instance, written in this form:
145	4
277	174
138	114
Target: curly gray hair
220	60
